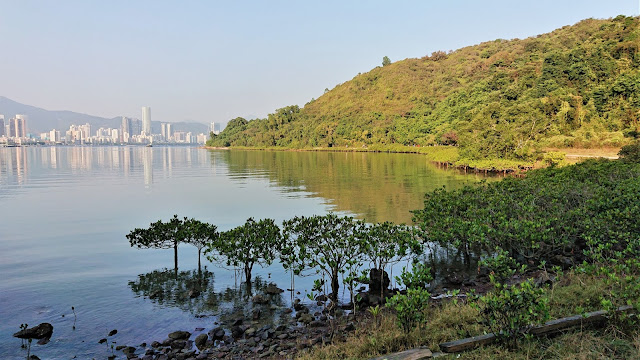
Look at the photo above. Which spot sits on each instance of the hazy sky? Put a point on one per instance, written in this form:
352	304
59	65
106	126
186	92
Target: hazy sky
215	60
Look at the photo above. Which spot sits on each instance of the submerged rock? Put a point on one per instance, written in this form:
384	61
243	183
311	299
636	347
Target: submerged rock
41	331
272	289
179	335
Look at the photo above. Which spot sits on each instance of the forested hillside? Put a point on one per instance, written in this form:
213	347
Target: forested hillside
578	86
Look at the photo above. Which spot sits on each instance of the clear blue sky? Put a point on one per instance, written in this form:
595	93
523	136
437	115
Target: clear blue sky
214	60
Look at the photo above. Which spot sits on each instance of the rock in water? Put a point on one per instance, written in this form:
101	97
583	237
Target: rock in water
201	341
378	279
179	335
272	289
42	331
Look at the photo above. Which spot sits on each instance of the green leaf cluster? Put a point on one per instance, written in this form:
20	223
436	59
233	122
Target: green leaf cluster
255	242
510	309
411	306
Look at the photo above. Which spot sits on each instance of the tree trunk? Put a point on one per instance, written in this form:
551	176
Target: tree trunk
175	256
199	268
335	285
247	274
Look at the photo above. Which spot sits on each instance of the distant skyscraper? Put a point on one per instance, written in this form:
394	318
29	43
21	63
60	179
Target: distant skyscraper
126	125
165	129
146	120
21	126
136	126
2	131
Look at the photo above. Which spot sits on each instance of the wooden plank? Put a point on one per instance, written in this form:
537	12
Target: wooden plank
413	354
547	328
468	343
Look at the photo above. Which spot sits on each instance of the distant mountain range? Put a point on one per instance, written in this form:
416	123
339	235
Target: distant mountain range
41	120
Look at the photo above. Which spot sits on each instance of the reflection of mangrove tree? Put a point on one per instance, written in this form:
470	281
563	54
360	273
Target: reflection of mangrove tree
377	187
193	291
188	290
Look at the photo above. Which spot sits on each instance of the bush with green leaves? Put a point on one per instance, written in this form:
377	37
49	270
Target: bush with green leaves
630	152
167	235
548	215
502	266
411	307
509	310
619	267
387	244
255	242
328	244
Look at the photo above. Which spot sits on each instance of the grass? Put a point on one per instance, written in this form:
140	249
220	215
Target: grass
450	321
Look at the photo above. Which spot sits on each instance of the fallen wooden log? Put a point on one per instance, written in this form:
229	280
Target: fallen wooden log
548	328
413	354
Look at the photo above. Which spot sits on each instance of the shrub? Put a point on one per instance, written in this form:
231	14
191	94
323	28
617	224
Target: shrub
630	152
411	307
510	310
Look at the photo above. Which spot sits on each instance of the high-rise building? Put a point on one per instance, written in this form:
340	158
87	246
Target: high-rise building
165	129
146	120
12	128
21	126
2	131
136	126
126	125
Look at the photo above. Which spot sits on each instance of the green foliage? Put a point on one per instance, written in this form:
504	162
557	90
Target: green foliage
554	158
618	264
510	309
386	61
574	87
387	243
549	215
411	306
502	265
418	278
167	235
255	242
630	152
329	244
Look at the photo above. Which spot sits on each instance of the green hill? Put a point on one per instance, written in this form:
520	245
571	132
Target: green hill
578	86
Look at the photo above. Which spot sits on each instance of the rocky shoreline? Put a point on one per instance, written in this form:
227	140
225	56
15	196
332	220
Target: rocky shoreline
242	337
301	327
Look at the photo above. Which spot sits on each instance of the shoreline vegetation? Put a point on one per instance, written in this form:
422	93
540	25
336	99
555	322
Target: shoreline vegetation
449	156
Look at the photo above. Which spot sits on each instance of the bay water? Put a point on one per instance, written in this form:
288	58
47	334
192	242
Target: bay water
65	211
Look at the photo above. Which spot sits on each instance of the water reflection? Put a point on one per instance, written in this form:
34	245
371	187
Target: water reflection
190	291
193	291
375	187
18	165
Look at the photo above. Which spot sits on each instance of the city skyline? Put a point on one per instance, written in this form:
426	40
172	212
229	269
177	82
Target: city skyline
130	131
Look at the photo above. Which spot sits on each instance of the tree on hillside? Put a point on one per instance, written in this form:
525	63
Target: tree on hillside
386	61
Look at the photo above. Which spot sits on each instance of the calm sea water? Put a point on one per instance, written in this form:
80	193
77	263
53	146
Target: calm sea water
65	211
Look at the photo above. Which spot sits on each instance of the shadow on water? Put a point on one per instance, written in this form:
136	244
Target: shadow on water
193	291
